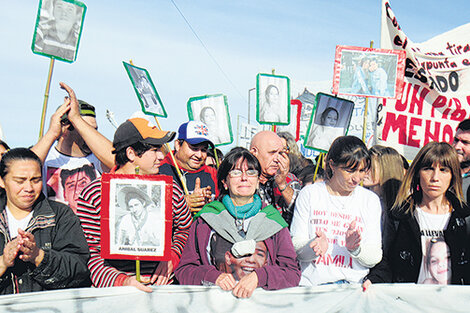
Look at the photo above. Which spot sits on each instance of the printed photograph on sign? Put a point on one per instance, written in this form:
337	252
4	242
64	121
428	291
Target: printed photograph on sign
226	261
272	99
330	120
145	90
436	267
136	219
368	72
212	110
59	25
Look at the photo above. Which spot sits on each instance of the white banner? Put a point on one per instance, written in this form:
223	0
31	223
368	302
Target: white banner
436	94
329	298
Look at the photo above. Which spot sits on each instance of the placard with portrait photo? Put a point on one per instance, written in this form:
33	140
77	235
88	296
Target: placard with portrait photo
145	90
272	99
330	120
58	30
368	72
136	217
212	110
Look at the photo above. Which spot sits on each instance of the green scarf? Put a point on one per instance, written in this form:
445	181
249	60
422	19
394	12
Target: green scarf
245	211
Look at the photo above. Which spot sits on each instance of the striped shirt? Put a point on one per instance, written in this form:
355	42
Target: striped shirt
89	207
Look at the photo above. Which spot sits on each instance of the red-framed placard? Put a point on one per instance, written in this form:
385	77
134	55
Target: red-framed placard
368	72
294	126
136	217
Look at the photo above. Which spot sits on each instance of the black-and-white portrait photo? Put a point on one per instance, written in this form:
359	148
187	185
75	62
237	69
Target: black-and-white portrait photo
136	219
212	110
58	28
273	99
330	120
368	72
145	90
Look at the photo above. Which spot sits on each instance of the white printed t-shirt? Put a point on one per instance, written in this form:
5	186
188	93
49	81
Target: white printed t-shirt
435	265
77	171
316	209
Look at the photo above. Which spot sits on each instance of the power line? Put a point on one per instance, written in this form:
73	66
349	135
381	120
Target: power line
207	50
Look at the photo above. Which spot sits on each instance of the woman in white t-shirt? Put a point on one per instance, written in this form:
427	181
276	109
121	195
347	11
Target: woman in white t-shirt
425	234
339	209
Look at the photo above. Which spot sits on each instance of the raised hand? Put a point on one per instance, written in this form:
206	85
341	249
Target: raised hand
281	175
198	198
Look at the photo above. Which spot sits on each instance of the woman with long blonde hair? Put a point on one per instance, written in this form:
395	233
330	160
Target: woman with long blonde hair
385	175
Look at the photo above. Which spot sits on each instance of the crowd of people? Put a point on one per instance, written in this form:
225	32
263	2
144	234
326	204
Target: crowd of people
240	221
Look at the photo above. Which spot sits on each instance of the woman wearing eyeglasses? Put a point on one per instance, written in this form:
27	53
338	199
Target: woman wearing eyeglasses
239	222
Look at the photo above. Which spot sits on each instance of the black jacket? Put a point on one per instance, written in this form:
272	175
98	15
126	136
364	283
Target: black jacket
57	231
402	256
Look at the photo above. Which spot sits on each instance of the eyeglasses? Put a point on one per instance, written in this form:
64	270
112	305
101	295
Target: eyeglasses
238	173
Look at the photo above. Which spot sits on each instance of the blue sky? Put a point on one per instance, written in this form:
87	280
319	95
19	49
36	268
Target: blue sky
246	37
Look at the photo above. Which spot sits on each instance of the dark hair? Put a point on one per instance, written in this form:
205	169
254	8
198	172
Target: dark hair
134	195
201	115
220	155
17	154
325	114
347	152
307	173
4	144
432	153
268	90
139	148
87	168
464	125
229	162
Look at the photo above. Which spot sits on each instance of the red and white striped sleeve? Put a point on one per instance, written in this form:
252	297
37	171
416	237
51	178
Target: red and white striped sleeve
181	223
88	210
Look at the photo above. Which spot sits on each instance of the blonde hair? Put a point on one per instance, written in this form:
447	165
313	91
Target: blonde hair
433	153
387	167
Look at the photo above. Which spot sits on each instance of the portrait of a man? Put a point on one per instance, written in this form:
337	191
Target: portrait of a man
224	260
368	72
66	184
139	226
58	28
273	99
136	216
145	90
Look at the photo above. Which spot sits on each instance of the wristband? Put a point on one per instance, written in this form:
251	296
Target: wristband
281	190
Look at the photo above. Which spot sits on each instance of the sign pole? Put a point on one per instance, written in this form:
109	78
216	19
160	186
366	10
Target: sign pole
46	98
366	108
183	182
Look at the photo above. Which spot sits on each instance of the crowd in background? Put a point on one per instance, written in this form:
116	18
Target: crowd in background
259	217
